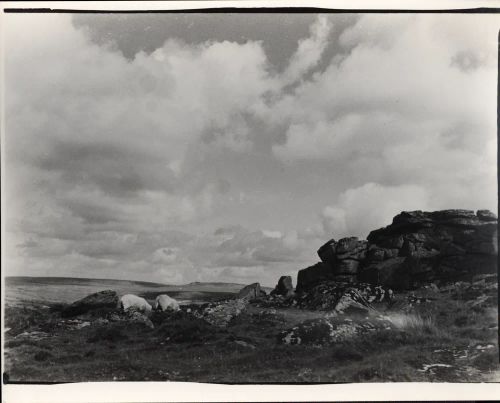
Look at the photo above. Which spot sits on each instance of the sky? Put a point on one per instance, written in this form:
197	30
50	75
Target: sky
228	147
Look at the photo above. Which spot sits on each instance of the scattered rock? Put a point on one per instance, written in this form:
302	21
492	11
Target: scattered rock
245	344
284	287
133	316
221	313
98	300
251	291
331	330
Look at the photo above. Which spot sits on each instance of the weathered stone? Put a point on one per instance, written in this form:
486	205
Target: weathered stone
347	266
250	292
418	247
284	287
331	330
486	215
391	273
417	250
452	249
375	254
327	253
221	313
98	300
468	264
346	278
332	252
313	275
390	253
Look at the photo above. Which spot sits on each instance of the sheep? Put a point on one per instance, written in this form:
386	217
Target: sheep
133	301
165	303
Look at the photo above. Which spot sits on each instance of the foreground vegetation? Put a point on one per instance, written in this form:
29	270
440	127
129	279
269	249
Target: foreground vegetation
450	336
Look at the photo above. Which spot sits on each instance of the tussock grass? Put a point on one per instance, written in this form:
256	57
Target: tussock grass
413	323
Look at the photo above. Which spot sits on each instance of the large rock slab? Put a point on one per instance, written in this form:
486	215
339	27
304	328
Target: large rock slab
251	291
313	275
98	300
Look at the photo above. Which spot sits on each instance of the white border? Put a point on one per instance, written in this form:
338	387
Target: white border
197	392
195	4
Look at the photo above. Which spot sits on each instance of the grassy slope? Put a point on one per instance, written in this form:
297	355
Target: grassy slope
445	331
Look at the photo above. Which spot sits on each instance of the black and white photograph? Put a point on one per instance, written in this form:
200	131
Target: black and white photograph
249	196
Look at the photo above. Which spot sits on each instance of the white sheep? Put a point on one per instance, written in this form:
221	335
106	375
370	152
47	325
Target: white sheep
133	301
165	303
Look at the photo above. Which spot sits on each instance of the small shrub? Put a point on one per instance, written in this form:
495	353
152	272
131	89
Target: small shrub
486	361
413	323
107	334
57	307
461	321
159	317
187	329
346	353
101	312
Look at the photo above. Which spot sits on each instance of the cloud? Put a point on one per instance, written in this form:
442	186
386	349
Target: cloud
400	106
309	51
124	166
361	210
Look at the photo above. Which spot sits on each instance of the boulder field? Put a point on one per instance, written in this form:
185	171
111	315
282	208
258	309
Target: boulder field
418	248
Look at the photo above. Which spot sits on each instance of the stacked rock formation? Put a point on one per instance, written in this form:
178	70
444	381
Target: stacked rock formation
417	248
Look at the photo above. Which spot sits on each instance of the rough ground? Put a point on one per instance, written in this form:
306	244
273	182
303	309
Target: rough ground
447	334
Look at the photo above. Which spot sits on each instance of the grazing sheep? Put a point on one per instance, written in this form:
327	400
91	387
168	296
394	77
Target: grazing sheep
165	303
133	301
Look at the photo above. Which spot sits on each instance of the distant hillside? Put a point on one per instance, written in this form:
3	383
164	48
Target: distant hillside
68	289
75	281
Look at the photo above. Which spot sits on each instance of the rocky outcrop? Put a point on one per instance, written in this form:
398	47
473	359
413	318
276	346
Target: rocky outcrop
440	246
417	248
284	287
98	300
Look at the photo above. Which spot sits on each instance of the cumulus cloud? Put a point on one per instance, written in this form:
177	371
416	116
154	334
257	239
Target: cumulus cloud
361	210
124	166
401	106
309	51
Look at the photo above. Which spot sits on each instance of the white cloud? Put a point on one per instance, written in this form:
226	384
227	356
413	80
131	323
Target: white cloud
309	51
371	206
124	166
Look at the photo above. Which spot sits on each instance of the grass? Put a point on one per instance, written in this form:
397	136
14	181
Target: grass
183	348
